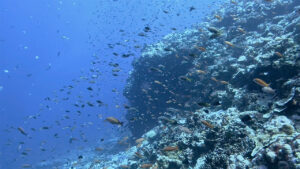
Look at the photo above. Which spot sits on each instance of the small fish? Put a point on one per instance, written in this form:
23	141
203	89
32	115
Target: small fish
192	8
45	128
167	49
98	149
185	129
126	106
127	55
124	140
147	29
192	55
213	30
99	101
201	48
229	43
116	70
260	82
141	34
233	2
157	82
22	131
169	101
114	64
72	139
218	17
138	155
224	82
170	148
113	120
241	30
202	104
214	79
26	166
165	119
146	165
24	153
278	54
206	123
140	140
185	78
90	104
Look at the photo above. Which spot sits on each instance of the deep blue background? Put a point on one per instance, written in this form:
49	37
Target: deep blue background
45	45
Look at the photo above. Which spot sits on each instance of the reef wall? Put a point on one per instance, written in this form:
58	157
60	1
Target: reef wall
223	95
217	62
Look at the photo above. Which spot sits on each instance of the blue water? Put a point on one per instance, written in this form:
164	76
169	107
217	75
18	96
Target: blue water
46	46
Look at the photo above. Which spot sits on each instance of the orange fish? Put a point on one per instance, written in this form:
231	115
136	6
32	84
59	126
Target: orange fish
278	54
123	141
169	148
113	120
260	82
224	82
206	123
169	101
140	140
201	48
200	71
218	17
138	155
229	43
146	165
157	82
214	79
241	30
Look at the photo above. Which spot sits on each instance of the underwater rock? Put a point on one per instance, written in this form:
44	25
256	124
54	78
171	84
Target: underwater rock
150	135
283	102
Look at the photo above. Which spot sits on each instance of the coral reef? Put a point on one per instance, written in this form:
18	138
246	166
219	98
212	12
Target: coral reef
225	94
200	85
